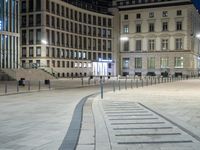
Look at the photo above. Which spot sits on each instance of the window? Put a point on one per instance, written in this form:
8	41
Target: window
179	13
164	62
38	36
47	20
47	52
138	28
38	51
151	62
23	52
109	22
138	63
38	19
125	29
125	63
178	25
38	5
151	27
104	21
151	44
52	7
109	45
31	5
47	5
138	16
23	37
165	26
31	36
164	44
126	45
30	20
23	7
138	45
30	51
23	21
58	9
165	14
94	20
125	17
179	43
178	62
151	15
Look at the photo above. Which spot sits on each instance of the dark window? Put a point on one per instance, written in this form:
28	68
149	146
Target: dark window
23	37
38	5
58	9
47	5
125	17
52	7
138	16
38	19
151	27
30	20
94	20
31	5
179	12
23	6
23	21
138	28
178	25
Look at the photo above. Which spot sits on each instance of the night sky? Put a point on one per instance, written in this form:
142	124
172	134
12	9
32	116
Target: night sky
197	4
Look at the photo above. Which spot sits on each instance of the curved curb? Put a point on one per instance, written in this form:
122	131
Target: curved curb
71	138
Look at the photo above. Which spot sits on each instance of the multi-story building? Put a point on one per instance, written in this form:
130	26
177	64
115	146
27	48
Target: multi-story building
157	37
66	39
9	34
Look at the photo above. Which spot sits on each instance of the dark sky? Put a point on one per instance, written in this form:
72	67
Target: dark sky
197	3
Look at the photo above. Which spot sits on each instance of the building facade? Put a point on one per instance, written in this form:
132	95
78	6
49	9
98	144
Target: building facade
65	39
157	37
9	34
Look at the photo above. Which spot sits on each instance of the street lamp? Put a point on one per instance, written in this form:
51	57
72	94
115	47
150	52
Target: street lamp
124	38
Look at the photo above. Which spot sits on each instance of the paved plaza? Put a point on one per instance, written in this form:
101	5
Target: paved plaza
158	117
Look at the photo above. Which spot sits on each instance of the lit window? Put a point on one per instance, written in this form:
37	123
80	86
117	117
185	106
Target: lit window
164	62
165	14
178	62
126	29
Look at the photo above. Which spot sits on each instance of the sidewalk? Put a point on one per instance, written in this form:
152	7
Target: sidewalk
158	117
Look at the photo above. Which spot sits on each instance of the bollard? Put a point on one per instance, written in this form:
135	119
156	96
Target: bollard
113	85
101	84
147	80
151	81
17	87
137	83
155	80
29	85
142	83
39	85
126	84
131	83
49	85
82	81
6	88
119	85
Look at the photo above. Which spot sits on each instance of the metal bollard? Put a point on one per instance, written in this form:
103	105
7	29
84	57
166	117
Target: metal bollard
39	86
29	85
131	83
126	84
49	85
142	82
17	87
6	88
147	80
137	83
155	80
119	85
151	81
101	84
113	85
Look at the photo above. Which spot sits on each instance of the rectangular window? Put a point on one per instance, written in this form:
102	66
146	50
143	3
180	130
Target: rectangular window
151	62
38	5
24	52
179	43
165	14
31	5
125	63
38	51
178	25
23	24
151	15
138	45
138	16
125	17
30	51
38	36
31	36
151	44
179	13
164	44
138	63
151	27
38	19
125	29
164	62
138	28
23	37
30	20
165	26
178	62
126	45
23	5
